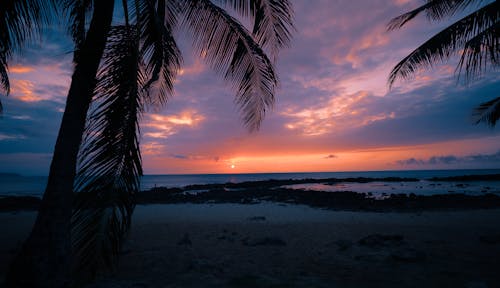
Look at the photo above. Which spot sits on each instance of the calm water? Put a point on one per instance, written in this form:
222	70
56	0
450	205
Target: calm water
34	185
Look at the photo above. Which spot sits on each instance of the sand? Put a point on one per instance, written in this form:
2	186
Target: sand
277	245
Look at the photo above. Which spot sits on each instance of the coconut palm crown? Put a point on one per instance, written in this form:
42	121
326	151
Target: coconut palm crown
475	38
119	70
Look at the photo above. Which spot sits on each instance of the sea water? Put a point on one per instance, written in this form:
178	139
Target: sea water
13	184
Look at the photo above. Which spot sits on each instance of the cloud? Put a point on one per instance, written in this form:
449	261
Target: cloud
23	90
452	159
193	69
21	117
30	128
179	156
20	69
49	81
195	157
16	163
331	156
4	137
163	126
152	148
340	112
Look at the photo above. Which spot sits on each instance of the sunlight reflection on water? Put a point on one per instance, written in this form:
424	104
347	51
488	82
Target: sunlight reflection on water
380	190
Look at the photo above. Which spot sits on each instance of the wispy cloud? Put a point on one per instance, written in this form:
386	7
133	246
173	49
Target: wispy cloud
4	137
163	126
20	69
452	159
335	114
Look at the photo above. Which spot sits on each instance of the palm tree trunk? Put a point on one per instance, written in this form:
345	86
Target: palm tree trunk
45	258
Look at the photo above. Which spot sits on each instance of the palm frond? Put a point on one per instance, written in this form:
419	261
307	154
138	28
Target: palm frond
480	52
273	24
442	45
240	6
4	78
159	49
434	9
20	21
109	159
488	112
230	49
79	13
273	21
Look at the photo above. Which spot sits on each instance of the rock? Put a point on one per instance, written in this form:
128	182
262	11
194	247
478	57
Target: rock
265	241
185	240
379	240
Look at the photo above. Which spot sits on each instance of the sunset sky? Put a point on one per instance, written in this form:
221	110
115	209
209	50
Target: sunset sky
333	112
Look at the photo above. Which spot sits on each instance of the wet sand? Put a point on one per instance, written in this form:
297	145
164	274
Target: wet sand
280	245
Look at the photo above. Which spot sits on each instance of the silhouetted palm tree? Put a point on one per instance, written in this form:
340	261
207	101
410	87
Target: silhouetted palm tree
475	37
138	63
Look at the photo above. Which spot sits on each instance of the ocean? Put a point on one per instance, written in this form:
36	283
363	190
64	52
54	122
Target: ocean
17	185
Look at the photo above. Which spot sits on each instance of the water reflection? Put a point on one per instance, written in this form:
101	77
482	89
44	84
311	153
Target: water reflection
380	190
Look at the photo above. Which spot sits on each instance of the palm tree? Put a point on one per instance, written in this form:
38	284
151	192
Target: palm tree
44	259
97	150
475	37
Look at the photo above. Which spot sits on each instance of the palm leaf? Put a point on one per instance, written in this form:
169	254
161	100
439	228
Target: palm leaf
159	50
273	24
109	159
20	21
488	112
480	52
434	9
445	43
4	78
273	21
78	11
230	49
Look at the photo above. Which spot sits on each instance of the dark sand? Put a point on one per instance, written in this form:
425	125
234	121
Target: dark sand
277	245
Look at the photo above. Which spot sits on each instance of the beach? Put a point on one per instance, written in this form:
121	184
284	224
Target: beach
290	245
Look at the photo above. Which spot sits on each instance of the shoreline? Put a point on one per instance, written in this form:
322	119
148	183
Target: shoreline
252	192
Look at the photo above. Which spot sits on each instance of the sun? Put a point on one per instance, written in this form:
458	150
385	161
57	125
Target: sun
232	166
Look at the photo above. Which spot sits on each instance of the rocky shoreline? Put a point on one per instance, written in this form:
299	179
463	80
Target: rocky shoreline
272	190
350	201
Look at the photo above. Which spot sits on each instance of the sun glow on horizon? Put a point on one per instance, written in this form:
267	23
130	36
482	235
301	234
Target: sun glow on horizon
375	159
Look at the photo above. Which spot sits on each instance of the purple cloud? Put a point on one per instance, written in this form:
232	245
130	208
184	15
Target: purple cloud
452	159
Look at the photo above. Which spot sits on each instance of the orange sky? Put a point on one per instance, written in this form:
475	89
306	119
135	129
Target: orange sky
333	111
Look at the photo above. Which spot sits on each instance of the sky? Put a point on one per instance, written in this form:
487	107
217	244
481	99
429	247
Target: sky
333	110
